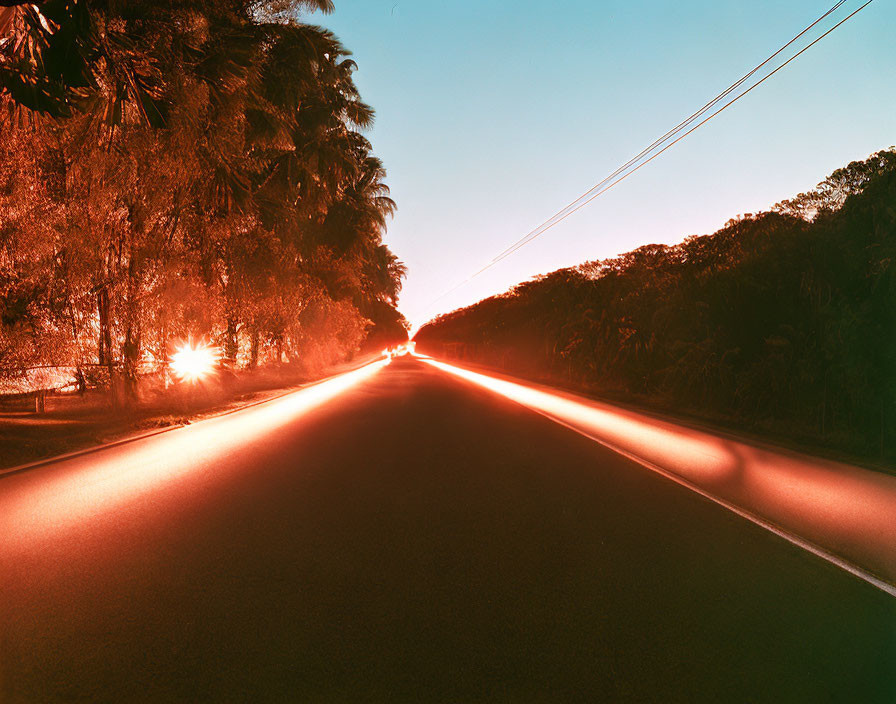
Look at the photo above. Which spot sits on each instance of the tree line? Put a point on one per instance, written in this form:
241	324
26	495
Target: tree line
782	321
174	171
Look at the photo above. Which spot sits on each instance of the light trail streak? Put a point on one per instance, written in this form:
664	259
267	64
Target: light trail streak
844	514
103	481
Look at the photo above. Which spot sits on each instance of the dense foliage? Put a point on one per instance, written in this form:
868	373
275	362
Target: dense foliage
783	321
175	170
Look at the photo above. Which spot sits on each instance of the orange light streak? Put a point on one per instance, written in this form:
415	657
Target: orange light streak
91	485
843	513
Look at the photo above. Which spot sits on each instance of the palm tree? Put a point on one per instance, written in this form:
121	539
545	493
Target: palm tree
224	136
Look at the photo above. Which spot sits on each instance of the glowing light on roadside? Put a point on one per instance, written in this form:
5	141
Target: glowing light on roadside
402	350
76	489
193	363
695	454
809	501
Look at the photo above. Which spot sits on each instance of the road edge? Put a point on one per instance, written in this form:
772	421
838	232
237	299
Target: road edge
864	574
93	449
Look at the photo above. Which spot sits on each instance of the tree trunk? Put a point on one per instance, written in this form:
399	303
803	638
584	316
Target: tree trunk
105	343
105	333
81	381
253	353
131	357
132	343
131	348
231	340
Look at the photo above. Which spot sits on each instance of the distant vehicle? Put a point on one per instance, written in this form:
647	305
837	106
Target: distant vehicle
400	350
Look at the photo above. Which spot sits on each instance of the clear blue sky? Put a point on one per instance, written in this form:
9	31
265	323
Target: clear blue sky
493	114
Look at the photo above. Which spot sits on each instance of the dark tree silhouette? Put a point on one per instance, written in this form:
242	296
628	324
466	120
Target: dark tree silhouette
784	322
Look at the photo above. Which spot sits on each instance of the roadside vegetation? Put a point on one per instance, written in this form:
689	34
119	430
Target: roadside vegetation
184	172
782	322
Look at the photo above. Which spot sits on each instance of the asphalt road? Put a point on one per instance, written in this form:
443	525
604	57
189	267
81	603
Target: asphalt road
414	538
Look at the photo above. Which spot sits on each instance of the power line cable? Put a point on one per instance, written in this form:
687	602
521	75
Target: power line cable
626	170
674	142
681	125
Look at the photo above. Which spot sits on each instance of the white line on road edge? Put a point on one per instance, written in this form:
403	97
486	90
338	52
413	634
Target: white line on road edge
792	538
743	513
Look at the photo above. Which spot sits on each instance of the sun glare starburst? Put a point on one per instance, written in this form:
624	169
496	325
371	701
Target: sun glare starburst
193	363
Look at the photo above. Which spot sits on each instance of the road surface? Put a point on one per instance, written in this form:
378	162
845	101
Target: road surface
410	537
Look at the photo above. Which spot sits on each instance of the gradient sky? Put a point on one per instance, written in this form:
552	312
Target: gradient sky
493	114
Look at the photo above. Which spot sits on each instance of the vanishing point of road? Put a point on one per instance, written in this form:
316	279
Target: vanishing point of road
411	538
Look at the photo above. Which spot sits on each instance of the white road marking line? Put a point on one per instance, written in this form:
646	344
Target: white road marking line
792	538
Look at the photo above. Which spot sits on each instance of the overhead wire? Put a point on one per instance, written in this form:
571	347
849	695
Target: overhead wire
639	161
681	125
622	177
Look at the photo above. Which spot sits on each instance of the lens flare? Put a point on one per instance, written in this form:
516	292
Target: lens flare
402	350
193	363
